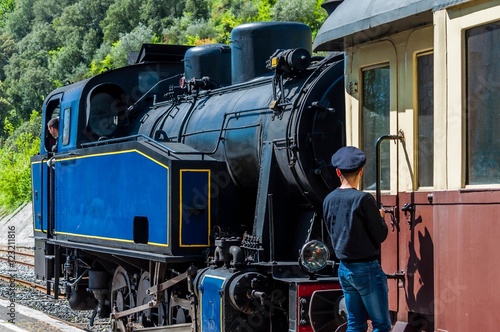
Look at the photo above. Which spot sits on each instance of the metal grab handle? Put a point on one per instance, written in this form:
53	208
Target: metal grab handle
377	166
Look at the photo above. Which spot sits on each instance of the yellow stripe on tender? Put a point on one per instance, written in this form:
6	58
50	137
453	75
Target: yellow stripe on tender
113	153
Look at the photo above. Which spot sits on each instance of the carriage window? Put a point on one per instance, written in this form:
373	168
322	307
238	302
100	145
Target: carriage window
375	123
483	104
66	126
425	94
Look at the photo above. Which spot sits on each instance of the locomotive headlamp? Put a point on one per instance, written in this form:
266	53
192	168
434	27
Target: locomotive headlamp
314	256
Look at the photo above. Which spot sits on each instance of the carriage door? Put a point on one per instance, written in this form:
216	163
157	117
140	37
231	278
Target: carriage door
404	189
377	120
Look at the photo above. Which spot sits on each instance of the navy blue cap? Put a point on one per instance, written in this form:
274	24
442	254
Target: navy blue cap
348	159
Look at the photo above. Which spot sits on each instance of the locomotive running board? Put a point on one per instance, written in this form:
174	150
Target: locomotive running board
185	327
123	252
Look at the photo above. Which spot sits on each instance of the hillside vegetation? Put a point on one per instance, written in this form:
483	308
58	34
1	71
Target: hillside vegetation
45	44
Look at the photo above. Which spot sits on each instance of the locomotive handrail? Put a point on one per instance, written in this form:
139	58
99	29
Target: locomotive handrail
170	150
41	198
131	107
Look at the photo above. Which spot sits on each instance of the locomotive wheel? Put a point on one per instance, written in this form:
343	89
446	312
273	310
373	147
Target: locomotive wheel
178	312
122	297
143	297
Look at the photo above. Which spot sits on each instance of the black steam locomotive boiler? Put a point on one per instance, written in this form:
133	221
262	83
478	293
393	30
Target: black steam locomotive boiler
184	192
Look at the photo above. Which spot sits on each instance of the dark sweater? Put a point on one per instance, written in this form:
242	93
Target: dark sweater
354	223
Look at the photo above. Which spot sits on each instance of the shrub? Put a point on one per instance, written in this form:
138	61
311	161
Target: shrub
15	166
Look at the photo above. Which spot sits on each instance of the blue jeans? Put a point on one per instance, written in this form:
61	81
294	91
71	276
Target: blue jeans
366	296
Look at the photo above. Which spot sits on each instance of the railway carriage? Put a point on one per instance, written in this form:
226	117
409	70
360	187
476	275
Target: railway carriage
422	82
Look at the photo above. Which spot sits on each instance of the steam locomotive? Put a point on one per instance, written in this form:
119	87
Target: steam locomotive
184	192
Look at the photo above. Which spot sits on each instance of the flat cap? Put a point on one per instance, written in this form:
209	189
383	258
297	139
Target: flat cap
348	159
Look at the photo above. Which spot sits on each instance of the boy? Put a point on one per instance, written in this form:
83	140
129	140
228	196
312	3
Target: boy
357	228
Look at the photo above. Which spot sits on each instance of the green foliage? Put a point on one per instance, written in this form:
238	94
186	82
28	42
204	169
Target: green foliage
305	11
161	14
45	44
198	9
5	109
47	10
6	7
7	49
19	22
121	18
117	55
27	75
130	43
264	9
15	171
188	32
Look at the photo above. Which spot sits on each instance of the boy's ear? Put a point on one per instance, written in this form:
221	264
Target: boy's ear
339	173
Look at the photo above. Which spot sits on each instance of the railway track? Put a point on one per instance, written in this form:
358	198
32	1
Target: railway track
11	278
27	258
18	274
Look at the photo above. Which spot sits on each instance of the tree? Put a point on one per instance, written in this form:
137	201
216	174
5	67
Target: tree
15	177
19	22
309	12
27	77
161	14
186	31
7	48
79	35
46	11
5	110
199	9
122	17
130	42
6	7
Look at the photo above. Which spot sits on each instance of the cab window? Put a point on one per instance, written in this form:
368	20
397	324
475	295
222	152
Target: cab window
66	126
52	111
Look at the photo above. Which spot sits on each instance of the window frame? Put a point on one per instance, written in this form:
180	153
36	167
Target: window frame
455	96
362	135
422	53
66	129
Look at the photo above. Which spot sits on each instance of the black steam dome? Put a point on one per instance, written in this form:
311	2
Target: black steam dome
212	60
253	43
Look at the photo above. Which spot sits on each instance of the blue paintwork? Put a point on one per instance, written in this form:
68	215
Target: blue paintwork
195	193
211	303
70	100
39	199
99	196
69	97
